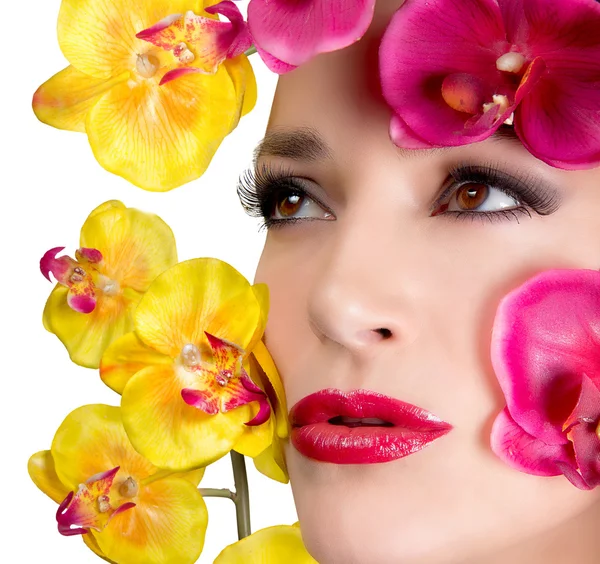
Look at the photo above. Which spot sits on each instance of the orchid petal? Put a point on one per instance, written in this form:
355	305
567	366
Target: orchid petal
136	246
126	356
87	335
42	472
192	297
168	524
159	137
282	543
581	426
294	32
273	63
169	432
263	368
98	36
92	437
244	82
403	136
414	89
524	452
271	462
64	100
90	506
545	337
200	41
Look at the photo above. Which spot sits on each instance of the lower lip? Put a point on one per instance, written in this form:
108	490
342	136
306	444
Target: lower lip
340	444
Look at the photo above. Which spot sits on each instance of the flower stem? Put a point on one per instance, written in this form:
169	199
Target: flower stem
250	51
215	492
241	496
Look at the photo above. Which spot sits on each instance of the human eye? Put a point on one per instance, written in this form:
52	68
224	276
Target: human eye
279	197
488	193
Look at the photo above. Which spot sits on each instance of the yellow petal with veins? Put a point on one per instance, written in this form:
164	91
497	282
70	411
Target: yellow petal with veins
42	472
271	462
92	439
98	36
126	356
160	137
168	431
64	100
86	335
136	246
281	544
168	524
192	297
266	370
241	73
92	544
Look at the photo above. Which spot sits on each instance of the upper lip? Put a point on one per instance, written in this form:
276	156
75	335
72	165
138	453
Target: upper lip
326	404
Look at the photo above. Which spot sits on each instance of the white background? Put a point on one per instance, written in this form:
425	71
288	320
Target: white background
50	182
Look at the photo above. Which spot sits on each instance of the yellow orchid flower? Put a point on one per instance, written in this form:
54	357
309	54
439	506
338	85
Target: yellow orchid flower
127	510
184	373
122	251
281	544
120	87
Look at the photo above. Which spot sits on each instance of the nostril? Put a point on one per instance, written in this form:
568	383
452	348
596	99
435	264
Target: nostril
385	333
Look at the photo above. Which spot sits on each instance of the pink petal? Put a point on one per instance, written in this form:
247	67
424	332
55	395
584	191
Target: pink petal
240	38
274	64
90	255
203	400
427	41
402	136
582	427
81	302
294	32
59	267
546	335
559	122
525	453
176	73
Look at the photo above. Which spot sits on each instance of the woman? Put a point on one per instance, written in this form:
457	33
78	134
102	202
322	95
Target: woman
386	267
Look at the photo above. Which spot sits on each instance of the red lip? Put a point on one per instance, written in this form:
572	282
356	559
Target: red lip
409	430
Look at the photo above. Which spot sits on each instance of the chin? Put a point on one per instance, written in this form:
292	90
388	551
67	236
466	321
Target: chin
369	514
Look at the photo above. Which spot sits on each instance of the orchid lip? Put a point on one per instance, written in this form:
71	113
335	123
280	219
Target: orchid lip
362	408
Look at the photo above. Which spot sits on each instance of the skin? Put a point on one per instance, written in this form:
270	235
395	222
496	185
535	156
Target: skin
434	282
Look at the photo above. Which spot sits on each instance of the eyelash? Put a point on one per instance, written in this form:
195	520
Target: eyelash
260	189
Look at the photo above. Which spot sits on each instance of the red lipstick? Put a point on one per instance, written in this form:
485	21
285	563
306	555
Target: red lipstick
361	427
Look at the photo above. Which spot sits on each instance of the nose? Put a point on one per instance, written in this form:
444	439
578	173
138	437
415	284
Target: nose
362	297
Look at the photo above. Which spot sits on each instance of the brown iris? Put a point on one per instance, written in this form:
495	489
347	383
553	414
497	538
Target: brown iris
289	205
472	195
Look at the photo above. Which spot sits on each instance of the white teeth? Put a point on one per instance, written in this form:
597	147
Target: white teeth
351	419
368	420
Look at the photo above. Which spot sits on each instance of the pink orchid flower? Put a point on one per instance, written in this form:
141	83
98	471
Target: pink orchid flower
546	355
288	33
454	71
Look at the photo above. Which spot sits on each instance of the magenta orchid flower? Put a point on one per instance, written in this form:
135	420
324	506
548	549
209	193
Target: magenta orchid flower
287	34
454	71
546	355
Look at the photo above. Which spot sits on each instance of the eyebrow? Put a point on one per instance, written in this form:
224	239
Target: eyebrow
306	144
301	144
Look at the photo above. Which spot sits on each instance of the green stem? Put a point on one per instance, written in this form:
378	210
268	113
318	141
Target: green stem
250	51
215	492
241	496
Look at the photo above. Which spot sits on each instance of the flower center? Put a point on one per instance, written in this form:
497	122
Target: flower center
190	357
510	62
146	65
108	286
182	52
129	488
223	376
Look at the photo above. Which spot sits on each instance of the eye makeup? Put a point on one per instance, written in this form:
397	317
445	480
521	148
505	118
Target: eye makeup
264	189
531	193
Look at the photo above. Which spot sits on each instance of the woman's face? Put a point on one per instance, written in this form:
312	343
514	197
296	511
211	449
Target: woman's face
423	244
